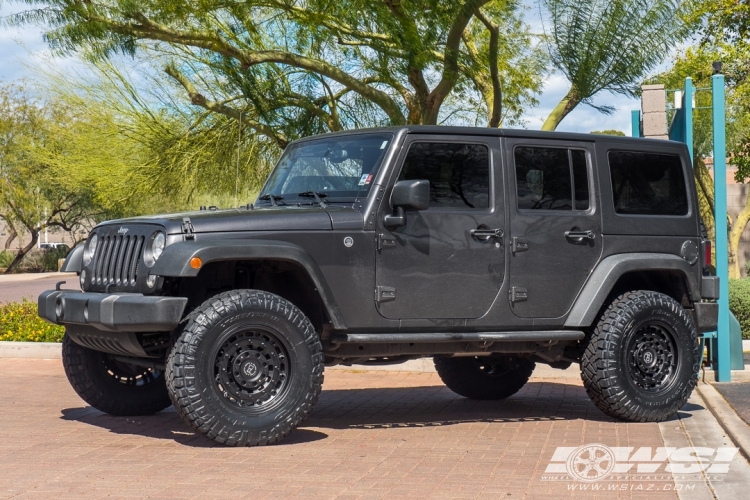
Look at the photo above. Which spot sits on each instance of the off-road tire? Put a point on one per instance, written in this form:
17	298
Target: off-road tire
230	394
111	386
474	378
614	365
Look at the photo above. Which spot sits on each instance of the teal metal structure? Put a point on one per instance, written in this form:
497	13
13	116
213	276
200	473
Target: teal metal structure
681	129
723	371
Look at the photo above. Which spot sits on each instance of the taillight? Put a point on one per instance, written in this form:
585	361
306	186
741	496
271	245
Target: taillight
706	253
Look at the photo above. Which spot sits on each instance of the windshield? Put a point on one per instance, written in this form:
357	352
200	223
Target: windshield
337	169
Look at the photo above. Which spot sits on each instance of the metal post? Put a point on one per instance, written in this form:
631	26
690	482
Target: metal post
723	372
687	106
635	122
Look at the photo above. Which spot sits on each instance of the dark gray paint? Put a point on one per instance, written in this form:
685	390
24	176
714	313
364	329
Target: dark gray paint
609	270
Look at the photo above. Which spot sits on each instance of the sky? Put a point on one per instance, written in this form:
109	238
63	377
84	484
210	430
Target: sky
22	48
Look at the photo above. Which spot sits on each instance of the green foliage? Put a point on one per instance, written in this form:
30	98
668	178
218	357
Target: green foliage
291	69
20	322
609	45
739	303
608	132
6	257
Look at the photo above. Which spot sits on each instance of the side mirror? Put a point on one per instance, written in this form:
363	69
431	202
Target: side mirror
413	194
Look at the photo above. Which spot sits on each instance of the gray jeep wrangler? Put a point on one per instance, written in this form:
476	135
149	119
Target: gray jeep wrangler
488	250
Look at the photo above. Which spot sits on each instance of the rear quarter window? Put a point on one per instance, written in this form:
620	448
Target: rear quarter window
647	183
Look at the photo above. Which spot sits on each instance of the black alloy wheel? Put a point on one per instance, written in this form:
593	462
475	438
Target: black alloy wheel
246	369
251	368
641	363
484	377
111	386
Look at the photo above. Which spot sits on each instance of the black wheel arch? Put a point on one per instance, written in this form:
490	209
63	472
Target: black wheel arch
616	274
240	263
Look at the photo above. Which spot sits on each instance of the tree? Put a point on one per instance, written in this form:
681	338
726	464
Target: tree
31	196
608	132
286	69
609	45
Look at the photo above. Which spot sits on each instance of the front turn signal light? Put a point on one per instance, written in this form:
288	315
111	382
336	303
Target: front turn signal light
196	262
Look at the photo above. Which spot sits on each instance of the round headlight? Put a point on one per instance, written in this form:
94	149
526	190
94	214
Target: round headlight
90	249
157	247
154	251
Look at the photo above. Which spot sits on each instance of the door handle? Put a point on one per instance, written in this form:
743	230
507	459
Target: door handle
580	235
486	234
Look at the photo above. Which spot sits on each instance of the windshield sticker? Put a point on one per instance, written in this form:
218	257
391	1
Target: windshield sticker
385	143
369	179
363	180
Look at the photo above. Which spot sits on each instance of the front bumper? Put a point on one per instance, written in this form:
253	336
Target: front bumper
113	312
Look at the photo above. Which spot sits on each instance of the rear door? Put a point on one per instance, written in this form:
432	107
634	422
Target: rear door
555	230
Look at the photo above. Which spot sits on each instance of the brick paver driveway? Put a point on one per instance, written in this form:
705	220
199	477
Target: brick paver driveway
372	435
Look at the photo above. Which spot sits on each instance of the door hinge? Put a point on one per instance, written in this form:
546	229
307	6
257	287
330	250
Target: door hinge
187	229
384	242
385	294
518	294
517	245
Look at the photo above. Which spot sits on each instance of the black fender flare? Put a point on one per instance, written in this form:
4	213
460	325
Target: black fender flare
74	260
175	262
610	269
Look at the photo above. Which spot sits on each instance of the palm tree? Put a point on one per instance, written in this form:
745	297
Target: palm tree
608	45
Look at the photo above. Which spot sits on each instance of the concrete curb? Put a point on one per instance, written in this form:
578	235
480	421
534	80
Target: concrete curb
737	375
13	278
736	428
39	350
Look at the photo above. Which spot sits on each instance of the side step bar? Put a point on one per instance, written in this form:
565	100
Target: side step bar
414	338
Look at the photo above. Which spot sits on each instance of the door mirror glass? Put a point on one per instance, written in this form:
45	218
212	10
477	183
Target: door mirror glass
411	195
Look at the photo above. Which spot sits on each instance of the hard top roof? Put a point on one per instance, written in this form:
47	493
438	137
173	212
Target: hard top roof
505	132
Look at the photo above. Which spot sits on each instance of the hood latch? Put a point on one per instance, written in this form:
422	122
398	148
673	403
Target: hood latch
187	229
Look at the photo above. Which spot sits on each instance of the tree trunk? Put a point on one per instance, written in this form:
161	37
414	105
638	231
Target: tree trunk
23	251
10	239
565	106
735	233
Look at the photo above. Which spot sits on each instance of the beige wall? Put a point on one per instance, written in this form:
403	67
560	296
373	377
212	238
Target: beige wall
55	235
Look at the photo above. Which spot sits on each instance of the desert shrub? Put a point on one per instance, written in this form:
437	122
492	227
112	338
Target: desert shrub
739	303
6	257
39	260
20	322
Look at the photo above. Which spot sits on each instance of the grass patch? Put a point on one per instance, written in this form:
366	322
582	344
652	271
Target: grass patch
20	322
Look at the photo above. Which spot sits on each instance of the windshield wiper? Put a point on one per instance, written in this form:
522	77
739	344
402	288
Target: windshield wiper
273	197
318	197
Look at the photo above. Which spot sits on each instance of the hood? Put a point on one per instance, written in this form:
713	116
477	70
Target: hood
284	218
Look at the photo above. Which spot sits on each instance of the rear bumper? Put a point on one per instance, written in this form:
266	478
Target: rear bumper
113	312
706	316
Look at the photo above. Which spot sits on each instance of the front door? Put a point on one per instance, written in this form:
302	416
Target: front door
436	267
555	233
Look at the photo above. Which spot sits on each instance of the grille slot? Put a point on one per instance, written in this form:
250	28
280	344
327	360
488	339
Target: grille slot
116	260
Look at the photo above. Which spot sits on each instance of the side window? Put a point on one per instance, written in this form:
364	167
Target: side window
459	174
551	178
648	183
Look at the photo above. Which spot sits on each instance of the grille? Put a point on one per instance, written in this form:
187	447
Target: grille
116	260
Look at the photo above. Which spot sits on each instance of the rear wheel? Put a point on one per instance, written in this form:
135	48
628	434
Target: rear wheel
112	386
247	369
484	377
643	358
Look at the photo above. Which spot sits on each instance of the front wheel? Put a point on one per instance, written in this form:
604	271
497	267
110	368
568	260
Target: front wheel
643	358
247	369
111	385
484	377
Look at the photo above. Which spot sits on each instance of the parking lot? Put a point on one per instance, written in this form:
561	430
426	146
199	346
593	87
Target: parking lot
372	435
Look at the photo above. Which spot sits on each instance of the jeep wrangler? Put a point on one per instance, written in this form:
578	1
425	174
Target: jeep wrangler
489	250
